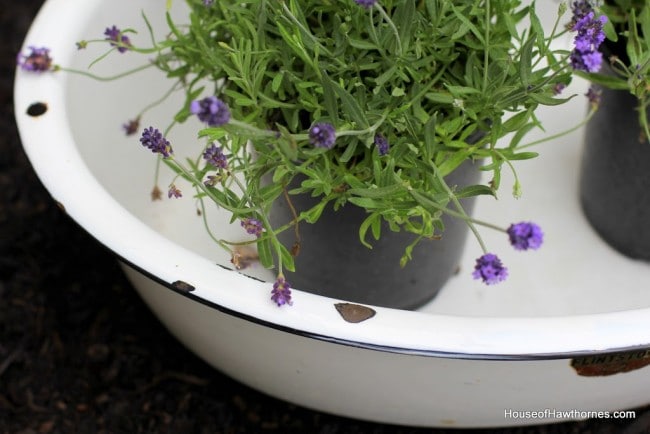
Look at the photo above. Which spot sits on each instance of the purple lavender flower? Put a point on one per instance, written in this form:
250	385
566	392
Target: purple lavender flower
366	3
281	293
38	60
211	110
208	2
590	32
122	42
490	269
253	226
585	55
153	139
525	235
580	9
593	95
322	135
586	61
174	192
214	155
382	144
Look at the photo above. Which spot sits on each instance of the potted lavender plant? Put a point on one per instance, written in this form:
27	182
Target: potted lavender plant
377	117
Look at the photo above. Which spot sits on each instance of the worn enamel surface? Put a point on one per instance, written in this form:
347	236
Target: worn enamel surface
462	360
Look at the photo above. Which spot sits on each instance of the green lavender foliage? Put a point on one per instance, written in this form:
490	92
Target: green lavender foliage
426	74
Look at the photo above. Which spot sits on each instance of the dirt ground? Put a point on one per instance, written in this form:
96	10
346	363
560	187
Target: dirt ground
81	353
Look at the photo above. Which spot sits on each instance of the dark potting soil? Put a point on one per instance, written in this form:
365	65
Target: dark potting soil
81	353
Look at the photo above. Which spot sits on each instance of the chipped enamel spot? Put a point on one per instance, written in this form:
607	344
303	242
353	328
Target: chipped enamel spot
354	313
183	286
36	109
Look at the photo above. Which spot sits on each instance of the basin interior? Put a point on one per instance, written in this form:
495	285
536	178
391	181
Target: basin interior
574	273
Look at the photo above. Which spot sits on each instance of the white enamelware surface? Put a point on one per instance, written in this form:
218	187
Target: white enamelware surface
460	360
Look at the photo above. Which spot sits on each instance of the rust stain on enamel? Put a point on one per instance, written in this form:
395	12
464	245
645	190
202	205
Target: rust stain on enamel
354	313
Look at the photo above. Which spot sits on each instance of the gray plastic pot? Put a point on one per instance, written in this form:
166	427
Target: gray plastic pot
333	262
615	176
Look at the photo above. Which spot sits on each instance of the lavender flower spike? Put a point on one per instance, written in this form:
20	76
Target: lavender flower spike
153	139
490	269
525	235
253	226
281	293
585	55
366	3
580	9
215	156
322	135
122	42
211	110
38	60
382	144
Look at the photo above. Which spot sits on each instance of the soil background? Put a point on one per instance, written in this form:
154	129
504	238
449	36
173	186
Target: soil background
81	353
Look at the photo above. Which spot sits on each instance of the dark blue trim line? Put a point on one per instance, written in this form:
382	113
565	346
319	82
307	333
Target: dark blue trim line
375	347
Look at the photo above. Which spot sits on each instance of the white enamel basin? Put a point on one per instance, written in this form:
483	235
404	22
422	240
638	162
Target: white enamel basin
464	360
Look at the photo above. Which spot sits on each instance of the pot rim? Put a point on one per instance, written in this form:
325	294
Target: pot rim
50	147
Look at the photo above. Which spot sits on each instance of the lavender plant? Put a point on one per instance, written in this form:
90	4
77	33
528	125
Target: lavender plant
371	103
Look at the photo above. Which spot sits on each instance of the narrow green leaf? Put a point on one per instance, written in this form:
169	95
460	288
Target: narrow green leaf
329	97
611	82
386	76
287	259
426	202
376	228
349	151
349	104
439	97
362	44
519	135
546	99
314	213
404	21
277	81
264	252
475	190
537	29
644	20
352	181
525	63
365	202
516	122
463	18
363	229
523	156
455	160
